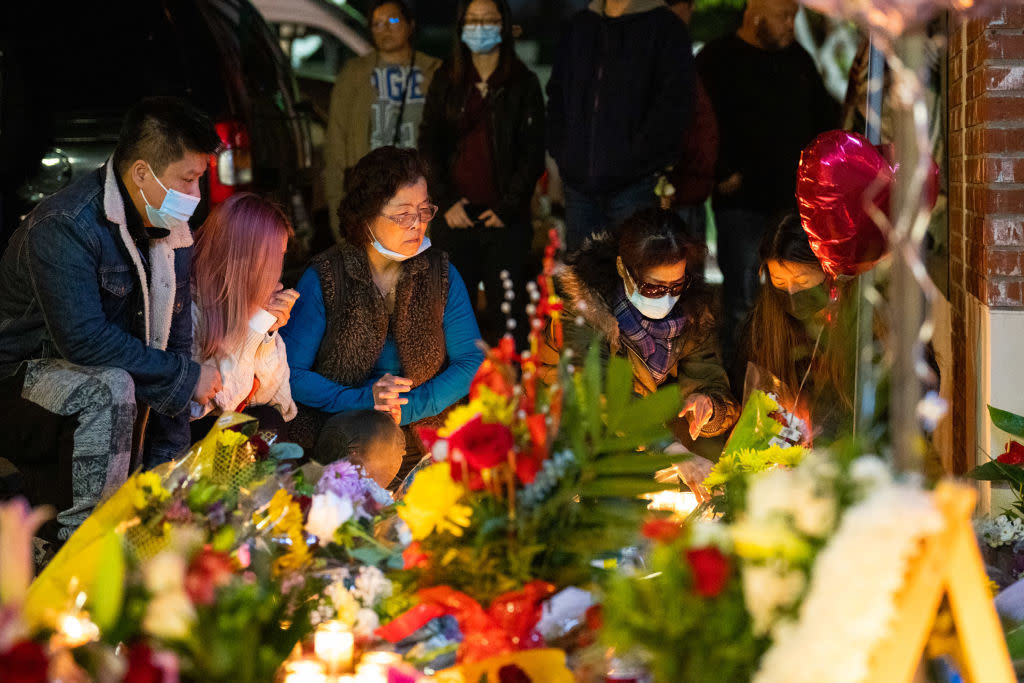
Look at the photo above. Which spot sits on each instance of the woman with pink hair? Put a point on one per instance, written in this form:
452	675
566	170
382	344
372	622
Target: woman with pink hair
238	304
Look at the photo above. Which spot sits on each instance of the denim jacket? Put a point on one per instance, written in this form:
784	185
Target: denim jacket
70	286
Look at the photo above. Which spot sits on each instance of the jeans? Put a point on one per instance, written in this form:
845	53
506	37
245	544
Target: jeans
588	213
103	399
740	232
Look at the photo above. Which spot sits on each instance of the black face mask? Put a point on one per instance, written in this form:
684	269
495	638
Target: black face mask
807	303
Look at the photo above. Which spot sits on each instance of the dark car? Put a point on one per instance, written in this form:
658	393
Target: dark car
69	70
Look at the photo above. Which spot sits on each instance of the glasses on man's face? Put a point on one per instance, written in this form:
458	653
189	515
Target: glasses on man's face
390	22
424	214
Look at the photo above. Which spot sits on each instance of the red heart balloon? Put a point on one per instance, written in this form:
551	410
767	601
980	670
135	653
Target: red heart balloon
841	175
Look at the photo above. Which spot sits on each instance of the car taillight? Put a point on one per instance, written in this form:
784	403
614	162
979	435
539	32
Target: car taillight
231	169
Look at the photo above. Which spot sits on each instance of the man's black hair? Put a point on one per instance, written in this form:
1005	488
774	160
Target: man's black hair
161	130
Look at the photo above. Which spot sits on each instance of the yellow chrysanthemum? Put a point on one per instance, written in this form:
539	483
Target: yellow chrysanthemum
148	489
749	461
490	406
285	519
432	503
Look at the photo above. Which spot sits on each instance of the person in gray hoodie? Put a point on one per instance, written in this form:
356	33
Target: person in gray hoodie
621	92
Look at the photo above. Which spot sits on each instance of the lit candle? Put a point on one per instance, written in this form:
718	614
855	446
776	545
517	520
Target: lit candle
333	644
74	630
304	671
374	666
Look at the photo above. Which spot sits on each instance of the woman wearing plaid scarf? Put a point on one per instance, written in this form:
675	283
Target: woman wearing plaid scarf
634	288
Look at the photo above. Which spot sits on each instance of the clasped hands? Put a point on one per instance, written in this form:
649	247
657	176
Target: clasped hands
387	395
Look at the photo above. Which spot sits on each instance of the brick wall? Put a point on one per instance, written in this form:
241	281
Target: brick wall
986	192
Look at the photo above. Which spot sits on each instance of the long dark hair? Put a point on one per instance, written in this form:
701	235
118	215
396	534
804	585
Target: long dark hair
771	337
461	56
656	237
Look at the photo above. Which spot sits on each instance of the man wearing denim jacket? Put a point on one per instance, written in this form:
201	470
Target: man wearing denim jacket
95	303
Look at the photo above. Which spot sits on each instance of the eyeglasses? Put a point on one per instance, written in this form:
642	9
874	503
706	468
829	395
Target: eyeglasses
390	22
652	291
482	22
423	214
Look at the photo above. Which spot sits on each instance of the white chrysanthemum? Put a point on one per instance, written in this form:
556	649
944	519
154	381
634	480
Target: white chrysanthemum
870	472
852	590
766	590
371	586
367	622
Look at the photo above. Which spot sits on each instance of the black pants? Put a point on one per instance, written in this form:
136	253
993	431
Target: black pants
480	254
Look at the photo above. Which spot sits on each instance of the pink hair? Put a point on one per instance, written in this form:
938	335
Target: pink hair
235	268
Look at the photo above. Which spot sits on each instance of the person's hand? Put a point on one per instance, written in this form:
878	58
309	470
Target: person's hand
280	305
208	385
387	395
700	410
693	472
491	219
456	216
730	185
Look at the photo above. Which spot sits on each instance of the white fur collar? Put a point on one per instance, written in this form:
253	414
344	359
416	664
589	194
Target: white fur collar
158	293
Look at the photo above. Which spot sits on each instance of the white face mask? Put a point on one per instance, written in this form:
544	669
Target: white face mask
655	309
177	207
394	255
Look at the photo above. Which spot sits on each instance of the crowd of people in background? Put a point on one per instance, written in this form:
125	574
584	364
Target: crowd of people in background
113	314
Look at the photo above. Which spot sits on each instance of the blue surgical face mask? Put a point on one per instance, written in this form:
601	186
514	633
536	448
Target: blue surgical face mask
482	38
394	255
177	207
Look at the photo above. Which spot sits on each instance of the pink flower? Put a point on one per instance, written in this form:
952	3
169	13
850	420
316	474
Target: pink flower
208	571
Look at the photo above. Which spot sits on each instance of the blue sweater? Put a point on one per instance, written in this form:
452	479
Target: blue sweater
305	331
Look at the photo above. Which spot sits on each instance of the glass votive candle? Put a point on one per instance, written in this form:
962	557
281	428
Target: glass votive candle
374	666
333	644
304	671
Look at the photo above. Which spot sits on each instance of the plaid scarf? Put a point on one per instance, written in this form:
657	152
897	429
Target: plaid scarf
651	338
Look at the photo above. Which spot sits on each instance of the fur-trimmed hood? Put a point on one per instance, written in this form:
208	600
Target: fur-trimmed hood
588	283
159	291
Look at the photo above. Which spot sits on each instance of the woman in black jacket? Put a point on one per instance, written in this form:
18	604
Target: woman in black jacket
483	136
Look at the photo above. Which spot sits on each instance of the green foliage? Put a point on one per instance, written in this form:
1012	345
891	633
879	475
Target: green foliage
685	637
1009	422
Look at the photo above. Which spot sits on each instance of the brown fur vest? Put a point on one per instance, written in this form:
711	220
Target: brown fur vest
358	323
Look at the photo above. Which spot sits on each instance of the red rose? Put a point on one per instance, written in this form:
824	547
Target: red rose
710	570
413	557
1014	454
25	662
141	667
208	571
482	445
662	530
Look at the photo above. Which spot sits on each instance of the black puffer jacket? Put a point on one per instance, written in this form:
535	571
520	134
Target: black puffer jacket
517	137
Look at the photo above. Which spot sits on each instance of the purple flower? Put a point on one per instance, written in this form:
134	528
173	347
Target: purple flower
341	478
217	514
178	512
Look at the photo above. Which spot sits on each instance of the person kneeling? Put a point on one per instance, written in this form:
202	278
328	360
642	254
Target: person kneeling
95	300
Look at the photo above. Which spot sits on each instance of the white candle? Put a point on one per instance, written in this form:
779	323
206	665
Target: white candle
333	643
304	671
374	666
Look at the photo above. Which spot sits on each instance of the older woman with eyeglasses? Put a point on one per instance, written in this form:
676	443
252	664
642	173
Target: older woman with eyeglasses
383	321
634	288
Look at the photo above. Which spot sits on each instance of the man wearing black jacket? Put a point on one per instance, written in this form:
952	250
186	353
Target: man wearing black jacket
771	103
621	92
